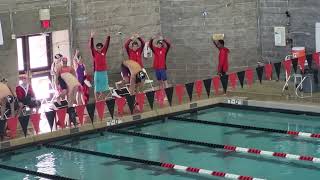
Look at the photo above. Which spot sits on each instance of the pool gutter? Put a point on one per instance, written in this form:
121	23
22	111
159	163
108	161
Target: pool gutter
155	115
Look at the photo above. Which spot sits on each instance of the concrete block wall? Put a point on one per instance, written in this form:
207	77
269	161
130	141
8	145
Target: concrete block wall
193	55
110	17
106	17
25	20
304	15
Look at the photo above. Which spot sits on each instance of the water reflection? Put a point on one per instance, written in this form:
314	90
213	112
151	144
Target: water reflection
46	164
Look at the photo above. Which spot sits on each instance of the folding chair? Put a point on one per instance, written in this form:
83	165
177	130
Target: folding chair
148	80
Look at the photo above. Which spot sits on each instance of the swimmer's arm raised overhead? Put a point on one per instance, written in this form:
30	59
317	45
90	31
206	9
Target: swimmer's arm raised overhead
106	45
126	45
142	42
91	44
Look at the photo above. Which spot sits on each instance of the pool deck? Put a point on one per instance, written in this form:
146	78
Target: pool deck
269	96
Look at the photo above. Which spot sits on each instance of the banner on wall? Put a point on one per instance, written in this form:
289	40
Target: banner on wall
1	35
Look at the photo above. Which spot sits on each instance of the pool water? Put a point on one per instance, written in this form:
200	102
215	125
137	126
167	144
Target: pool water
83	166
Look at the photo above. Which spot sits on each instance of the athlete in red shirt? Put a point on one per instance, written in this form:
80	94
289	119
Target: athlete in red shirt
26	96
99	56
134	47
223	64
160	50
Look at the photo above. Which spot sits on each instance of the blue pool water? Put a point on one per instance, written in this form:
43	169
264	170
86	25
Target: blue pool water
83	166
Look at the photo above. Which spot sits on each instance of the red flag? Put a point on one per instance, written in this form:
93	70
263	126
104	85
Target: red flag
301	61
180	92
316	58
120	102
80	113
216	84
287	66
100	106
160	94
268	71
198	84
233	80
249	77
61	113
12	126
35	119
140	100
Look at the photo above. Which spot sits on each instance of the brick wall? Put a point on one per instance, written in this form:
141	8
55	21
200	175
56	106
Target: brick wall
304	15
193	55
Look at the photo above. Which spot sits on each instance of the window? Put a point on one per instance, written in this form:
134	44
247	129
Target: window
34	53
20	55
34	57
38	53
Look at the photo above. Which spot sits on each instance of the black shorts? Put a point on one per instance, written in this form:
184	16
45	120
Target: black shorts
125	71
27	101
62	83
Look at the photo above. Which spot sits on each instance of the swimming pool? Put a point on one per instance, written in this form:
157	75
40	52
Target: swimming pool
142	145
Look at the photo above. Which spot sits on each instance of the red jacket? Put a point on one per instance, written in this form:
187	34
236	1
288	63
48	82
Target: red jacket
135	55
100	58
160	55
23	93
223	65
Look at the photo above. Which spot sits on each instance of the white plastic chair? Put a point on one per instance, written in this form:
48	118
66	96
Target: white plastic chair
148	80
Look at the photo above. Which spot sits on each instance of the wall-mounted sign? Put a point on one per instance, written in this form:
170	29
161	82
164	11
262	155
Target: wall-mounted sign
280	36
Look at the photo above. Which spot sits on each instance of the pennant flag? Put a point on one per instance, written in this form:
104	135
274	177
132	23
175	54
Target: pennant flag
2	126
207	85
233	80
91	108
50	117
150	97
131	102
309	60
180	92
61	113
120	102
24	121
169	93
295	64
259	71
189	88
160	94
241	76
72	116
249	77
224	81
216	84
198	84
301	61
140	101
110	104
80	113
277	67
35	120
268	71
12	126
287	66
100	106
316	58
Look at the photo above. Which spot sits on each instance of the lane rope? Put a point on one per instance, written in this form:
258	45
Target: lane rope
156	163
225	147
34	173
291	133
